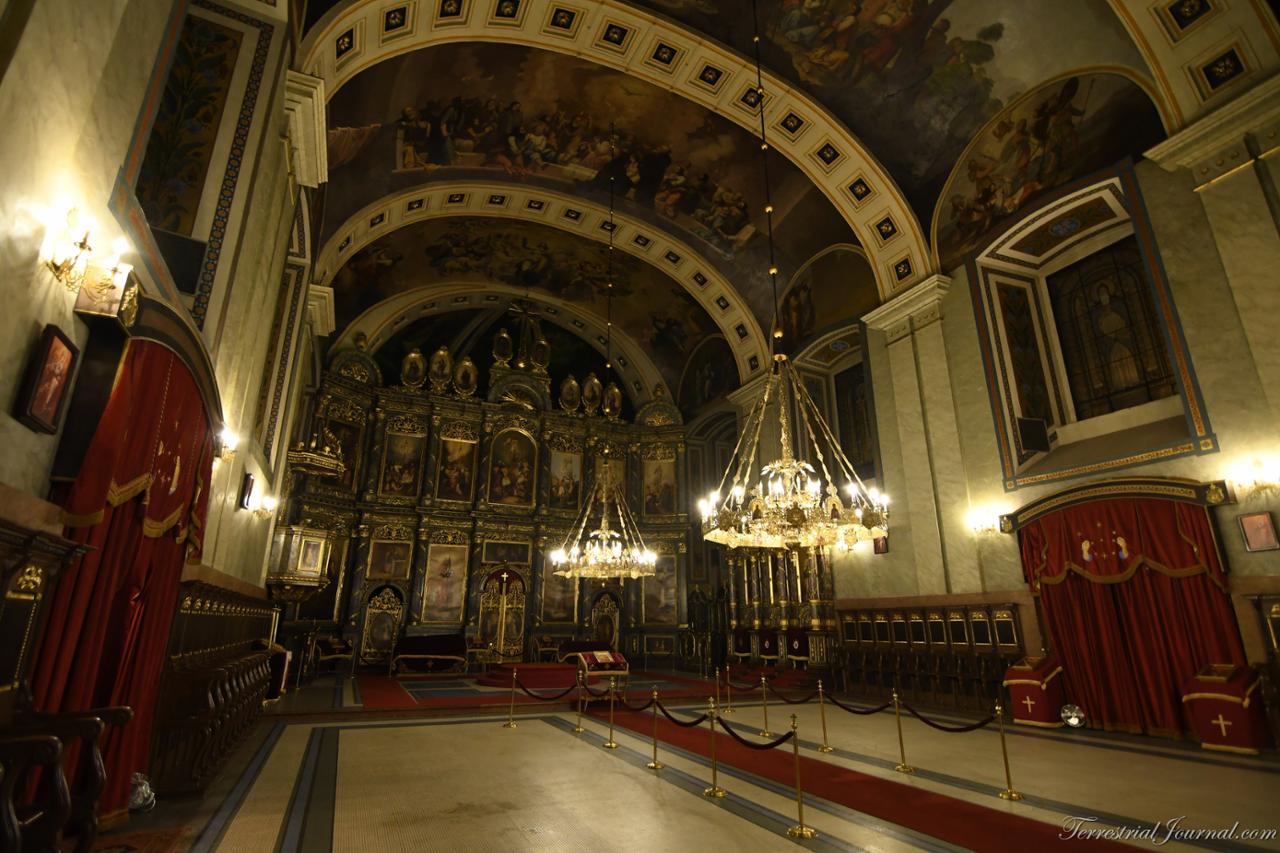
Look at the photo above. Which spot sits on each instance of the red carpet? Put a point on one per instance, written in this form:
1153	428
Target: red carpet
380	692
946	818
535	676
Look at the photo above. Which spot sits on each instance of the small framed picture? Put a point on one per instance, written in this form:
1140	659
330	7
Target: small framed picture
1259	532
46	387
245	498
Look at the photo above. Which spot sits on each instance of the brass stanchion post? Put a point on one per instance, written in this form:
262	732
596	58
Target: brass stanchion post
611	743
799	830
717	687
1008	793
715	790
578	729
728	691
822	712
764	697
655	764
511	711
903	766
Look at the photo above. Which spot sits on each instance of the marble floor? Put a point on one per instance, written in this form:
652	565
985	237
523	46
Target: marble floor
468	784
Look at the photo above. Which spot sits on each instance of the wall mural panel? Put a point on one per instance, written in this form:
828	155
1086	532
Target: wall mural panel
389	560
566	480
559	597
513	471
708	375
649	307
402	465
544	117
457	467
660	594
659	487
833	290
446	584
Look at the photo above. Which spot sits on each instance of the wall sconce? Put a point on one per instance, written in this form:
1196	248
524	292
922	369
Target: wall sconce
227	442
266	507
983	521
69	252
1258	476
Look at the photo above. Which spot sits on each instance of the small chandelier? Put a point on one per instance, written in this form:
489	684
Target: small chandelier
607	551
789	506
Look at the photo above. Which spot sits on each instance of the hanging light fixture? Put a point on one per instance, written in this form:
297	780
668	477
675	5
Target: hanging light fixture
788	505
606	551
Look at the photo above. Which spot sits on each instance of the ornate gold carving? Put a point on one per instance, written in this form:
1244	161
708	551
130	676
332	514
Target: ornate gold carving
342	409
460	430
31	579
564	442
661	451
466	378
406	425
448	536
395	531
592	393
441	370
413	369
357	371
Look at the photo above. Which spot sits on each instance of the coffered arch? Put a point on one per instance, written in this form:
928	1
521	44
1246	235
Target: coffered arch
360	33
674	259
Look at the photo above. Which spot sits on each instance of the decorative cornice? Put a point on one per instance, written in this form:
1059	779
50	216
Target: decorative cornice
1206	146
916	308
320	312
305	111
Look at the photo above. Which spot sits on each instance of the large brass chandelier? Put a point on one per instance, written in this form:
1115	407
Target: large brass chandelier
788	505
606	551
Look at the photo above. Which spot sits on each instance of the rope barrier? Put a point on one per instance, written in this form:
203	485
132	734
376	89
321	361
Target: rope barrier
634	708
729	682
943	728
859	711
806	699
601	694
702	718
749	744
554	698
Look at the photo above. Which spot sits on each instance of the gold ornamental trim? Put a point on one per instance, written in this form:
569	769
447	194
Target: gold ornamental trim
1035	682
1226	697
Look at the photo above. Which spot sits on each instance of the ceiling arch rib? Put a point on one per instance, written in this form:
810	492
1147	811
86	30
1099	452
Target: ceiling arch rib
671	257
361	33
381	322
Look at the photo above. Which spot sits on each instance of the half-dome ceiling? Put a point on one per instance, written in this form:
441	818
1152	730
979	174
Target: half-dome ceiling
916	79
479	111
650	308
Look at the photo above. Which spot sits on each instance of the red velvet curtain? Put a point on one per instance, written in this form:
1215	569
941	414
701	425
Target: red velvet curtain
1134	600
139	502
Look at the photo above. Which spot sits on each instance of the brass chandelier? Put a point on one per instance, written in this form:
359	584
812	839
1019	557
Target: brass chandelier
789	505
606	551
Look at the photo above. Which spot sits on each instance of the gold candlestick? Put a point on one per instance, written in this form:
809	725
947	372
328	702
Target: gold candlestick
1008	793
578	729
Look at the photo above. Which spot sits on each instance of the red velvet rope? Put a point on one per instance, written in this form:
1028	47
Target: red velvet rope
860	711
766	745
587	687
529	692
742	688
954	729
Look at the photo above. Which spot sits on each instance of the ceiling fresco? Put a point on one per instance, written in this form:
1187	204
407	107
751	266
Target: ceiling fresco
916	79
551	119
650	308
1060	131
834	289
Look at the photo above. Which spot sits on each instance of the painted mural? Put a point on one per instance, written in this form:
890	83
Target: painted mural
832	290
916	79
546	118
176	162
708	375
1062	130
654	311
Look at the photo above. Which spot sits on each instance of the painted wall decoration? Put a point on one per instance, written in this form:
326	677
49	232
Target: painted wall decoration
854	419
832	290
542	117
660	593
659	486
566	480
402	465
708	375
445	587
916	79
649	307
348	436
389	559
506	552
1061	131
176	162
457	466
513	470
559	597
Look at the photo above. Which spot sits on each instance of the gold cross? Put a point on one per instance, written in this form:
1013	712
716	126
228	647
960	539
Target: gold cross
1029	702
1221	724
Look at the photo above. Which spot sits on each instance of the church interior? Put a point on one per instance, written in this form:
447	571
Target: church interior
639	425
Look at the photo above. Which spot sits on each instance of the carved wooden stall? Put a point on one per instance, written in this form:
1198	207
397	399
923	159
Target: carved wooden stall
433	486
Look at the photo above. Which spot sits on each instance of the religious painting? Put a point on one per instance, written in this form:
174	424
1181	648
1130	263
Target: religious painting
659	487
513	469
1259	532
853	419
559	597
402	465
709	374
389	559
46	387
1054	134
506	552
456	470
659	646
313	555
180	148
348	438
445	584
833	289
660	593
566	480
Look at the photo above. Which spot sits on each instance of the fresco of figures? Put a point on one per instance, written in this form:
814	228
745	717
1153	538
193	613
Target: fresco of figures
709	374
833	290
542	117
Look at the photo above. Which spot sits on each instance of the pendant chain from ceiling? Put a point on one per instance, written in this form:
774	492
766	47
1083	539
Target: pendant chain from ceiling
776	332
608	322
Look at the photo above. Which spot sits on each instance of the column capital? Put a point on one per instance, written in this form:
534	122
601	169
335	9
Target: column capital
918	307
1219	143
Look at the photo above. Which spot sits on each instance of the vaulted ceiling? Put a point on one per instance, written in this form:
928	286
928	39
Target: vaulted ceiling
472	142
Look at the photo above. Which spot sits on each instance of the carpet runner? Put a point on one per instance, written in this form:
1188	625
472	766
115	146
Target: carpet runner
947	818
